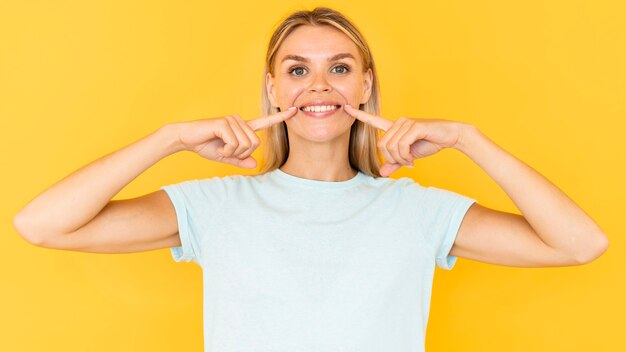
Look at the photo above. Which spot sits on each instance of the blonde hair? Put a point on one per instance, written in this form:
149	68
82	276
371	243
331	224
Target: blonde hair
363	153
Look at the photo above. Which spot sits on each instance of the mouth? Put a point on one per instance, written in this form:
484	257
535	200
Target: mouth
319	108
320	111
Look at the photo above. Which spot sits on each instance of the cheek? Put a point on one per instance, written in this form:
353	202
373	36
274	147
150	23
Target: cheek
350	95
288	94
350	91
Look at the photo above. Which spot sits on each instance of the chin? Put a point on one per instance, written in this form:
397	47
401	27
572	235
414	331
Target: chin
320	130
320	134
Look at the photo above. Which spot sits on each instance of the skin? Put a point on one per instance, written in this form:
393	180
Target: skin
551	231
318	148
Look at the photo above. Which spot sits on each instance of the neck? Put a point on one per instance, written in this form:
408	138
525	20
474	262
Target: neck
326	161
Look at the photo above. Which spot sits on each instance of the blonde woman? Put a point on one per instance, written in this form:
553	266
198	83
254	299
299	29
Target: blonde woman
320	251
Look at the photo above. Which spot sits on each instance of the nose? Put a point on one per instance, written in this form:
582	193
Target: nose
320	84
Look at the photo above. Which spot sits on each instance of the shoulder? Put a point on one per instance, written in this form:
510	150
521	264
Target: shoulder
424	196
399	192
236	183
403	184
208	186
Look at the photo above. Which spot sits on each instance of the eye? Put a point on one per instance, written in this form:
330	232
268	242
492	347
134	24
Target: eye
345	69
296	68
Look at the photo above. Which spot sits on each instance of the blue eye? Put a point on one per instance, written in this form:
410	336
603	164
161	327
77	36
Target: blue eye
296	68
293	69
346	69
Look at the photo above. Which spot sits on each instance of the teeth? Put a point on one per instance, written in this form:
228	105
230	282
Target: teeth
319	108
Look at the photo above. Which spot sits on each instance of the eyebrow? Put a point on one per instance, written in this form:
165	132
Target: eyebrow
304	59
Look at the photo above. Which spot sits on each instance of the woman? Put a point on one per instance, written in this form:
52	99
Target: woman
317	252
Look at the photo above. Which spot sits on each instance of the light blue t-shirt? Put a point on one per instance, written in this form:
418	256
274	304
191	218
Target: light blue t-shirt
298	265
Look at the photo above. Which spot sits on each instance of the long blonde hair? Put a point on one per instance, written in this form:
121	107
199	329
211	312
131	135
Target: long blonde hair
363	152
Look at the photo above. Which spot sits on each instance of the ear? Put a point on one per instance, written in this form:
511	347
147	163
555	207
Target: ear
367	84
269	85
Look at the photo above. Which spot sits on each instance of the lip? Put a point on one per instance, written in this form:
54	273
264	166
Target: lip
320	102
320	114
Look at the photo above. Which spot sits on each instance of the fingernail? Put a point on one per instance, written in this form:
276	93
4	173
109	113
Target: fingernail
291	108
348	106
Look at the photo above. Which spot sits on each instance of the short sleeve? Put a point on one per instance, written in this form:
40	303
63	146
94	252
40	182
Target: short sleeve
441	214
196	203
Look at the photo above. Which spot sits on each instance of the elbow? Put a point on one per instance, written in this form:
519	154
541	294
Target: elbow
594	252
21	223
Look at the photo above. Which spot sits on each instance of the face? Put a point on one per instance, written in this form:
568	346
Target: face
307	72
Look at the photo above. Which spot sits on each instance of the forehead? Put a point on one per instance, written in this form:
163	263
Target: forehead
316	43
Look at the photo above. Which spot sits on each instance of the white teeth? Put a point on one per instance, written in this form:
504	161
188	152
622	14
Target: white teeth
319	108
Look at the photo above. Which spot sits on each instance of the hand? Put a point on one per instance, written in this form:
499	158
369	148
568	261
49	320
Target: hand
406	139
228	139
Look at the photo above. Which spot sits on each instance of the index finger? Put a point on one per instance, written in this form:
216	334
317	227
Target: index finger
268	121
379	122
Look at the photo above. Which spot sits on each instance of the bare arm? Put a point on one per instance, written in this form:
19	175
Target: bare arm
552	231
75	200
77	212
551	228
124	226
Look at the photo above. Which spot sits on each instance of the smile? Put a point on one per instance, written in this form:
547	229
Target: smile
320	111
319	108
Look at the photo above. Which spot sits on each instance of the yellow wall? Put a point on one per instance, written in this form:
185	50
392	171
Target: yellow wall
80	79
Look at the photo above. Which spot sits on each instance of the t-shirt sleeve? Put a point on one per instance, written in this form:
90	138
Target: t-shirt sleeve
196	203
441	214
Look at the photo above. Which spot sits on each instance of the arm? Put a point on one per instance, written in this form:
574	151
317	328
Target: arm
75	200
77	213
563	228
553	230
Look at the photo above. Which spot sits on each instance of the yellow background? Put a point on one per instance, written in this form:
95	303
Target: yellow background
546	80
